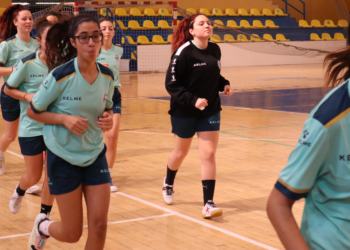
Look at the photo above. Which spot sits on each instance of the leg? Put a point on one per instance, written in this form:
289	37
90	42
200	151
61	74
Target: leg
111	140
46	198
182	146
208	143
97	204
34	169
10	134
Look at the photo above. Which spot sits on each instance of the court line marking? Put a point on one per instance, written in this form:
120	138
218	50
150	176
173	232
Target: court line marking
13	153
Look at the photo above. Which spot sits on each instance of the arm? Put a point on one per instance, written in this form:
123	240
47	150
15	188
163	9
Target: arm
16	94
6	71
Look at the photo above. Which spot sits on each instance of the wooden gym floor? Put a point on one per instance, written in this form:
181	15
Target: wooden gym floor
260	126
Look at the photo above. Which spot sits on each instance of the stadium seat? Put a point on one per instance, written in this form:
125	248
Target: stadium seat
133	55
164	25
327	37
218	24
149	25
339	36
193	11
149	12
304	24
255	38
315	37
316	23
120	12
135	12
121	24
158	39
130	40
243	12
204	11
270	24
217	12
245	24
279	12
258	25
255	12
170	38
280	37
215	38
267	12
242	38
233	24
143	40
343	23
134	25
329	24
164	12
103	12
268	37
2	10
229	38
230	12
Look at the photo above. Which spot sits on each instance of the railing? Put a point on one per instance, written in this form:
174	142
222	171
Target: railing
301	12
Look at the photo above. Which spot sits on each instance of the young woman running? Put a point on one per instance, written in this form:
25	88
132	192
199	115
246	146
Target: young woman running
74	102
110	56
193	81
318	170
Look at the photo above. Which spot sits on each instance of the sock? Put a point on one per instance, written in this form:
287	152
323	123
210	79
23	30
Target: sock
110	171
44	227
45	209
2	154
208	190
170	176
19	191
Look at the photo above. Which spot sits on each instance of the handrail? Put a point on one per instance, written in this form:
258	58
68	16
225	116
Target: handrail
301	12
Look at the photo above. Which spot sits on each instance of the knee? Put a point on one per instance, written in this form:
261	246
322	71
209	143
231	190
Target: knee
180	154
34	180
73	236
208	156
11	137
100	228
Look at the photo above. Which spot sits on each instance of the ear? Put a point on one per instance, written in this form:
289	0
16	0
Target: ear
15	22
191	32
72	41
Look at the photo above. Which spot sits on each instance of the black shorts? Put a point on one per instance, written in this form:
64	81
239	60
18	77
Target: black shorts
64	177
9	107
32	145
186	127
117	102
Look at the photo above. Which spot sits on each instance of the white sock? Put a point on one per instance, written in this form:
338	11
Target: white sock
110	171
2	154
44	227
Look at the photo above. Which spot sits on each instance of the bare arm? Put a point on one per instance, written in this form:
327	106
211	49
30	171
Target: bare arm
19	95
6	71
279	211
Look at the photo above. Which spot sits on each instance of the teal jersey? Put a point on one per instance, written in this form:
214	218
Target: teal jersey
318	169
13	49
27	77
65	91
112	57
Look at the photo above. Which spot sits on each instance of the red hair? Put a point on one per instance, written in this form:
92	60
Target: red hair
7	27
182	33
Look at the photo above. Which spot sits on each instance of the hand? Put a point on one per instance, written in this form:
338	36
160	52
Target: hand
105	122
201	103
76	124
105	64
228	90
29	97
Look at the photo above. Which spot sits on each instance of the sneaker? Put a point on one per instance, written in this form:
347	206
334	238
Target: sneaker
210	210
37	240
168	193
113	188
34	190
15	202
2	165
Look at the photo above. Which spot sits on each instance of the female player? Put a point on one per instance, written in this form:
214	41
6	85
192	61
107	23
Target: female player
318	170
23	83
193	81
110	57
53	16
74	102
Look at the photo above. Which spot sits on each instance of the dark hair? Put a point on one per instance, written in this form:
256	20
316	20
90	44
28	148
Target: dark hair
59	49
7	27
53	13
182	34
104	20
40	25
337	66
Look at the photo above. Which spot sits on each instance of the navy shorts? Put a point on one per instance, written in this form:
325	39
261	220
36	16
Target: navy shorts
117	102
64	177
9	107
186	127
32	145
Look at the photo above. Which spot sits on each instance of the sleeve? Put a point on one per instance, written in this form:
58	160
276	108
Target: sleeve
109	101
174	81
3	53
48	92
17	77
305	161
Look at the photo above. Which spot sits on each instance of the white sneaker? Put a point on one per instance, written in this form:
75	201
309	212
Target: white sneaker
210	210
37	240
113	188
15	202
168	193
2	165
34	190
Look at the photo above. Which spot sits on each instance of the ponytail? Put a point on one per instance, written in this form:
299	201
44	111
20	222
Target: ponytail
41	24
7	27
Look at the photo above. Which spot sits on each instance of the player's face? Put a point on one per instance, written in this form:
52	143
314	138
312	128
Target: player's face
52	19
24	21
202	28
107	30
42	41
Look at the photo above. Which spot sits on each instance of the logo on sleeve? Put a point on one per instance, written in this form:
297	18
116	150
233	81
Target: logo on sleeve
174	61
219	64
173	80
172	69
117	58
303	141
44	84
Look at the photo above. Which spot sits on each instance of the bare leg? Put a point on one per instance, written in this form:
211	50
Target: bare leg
11	129
182	146
208	143
46	197
34	169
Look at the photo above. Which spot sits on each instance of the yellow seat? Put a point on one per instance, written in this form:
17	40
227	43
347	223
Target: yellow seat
229	38
130	40
316	23
149	25
230	12
164	25
121	25
233	24
339	36
255	38
133	55
149	12
245	24
158	39
343	23
327	37
134	25
143	40
218	24
217	12
120	12
268	37
170	38
329	24
164	12
315	37
255	12
279	12
103	12
2	10
242	38
281	37
243	12
270	24
215	38
191	10
304	24
135	12
258	25
204	11
267	12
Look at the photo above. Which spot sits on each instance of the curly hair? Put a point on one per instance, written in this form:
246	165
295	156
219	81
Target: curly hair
7	27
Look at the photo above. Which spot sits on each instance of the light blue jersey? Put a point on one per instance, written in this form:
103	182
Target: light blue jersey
112	57
13	49
28	76
65	91
319	170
